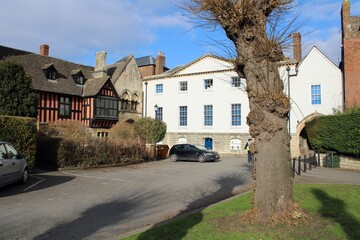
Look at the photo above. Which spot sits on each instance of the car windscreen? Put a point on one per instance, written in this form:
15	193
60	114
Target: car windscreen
201	147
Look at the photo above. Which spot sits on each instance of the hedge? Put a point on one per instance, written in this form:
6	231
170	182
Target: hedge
67	152
21	132
339	133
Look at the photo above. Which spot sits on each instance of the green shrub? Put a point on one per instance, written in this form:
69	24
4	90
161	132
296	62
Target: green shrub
21	132
63	145
99	152
339	133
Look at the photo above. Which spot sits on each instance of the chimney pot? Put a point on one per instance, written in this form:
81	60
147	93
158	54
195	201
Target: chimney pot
159	63
297	47
100	64
44	50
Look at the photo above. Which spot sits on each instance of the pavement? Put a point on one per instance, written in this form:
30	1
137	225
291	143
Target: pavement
329	175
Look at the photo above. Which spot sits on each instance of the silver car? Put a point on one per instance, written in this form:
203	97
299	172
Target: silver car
13	167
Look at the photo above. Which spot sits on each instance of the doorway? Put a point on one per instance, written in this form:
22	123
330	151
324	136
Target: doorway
208	142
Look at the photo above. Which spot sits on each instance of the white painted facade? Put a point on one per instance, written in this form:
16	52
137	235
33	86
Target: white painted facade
221	95
314	69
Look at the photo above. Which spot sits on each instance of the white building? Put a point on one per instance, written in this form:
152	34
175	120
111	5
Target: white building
316	90
204	102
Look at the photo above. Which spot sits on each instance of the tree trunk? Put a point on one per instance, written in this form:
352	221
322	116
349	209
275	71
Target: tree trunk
268	118
248	24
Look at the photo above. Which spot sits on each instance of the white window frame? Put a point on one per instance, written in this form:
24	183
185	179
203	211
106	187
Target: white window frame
183	86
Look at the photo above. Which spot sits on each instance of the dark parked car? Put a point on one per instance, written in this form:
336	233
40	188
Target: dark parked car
192	152
13	167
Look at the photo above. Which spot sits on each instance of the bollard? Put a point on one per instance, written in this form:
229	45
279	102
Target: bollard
304	163
293	168
299	166
310	162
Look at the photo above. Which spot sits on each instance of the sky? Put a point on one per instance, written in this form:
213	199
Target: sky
76	29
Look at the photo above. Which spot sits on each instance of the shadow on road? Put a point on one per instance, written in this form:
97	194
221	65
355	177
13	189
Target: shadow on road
203	198
95	218
38	182
336	209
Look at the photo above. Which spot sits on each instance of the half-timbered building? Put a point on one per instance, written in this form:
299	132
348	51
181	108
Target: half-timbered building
68	90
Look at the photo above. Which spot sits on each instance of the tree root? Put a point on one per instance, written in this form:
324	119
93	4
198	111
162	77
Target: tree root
292	216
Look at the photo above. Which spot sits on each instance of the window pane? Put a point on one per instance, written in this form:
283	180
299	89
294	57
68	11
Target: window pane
183	115
208	83
183	86
159	114
159	88
208	115
315	94
236	114
235	81
64	106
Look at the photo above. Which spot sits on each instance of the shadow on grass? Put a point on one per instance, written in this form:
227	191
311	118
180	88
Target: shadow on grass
178	229
336	209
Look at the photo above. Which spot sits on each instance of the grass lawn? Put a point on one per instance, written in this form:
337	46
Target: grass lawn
333	210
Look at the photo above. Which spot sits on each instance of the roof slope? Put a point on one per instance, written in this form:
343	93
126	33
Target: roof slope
34	65
204	64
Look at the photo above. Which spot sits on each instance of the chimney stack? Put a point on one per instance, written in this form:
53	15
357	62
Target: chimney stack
159	63
44	50
100	64
297	47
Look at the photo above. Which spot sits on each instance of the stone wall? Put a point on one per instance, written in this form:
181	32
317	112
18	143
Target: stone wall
221	141
349	163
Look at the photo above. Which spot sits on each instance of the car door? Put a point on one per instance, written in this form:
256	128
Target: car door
5	169
192	153
14	163
181	152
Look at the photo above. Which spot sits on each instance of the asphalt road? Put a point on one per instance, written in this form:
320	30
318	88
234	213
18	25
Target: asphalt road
107	203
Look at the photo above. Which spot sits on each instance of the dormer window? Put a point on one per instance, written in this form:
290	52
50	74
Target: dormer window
50	71
78	76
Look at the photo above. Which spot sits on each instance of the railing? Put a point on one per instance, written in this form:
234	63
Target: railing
306	163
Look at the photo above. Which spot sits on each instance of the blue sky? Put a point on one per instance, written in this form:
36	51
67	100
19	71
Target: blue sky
76	29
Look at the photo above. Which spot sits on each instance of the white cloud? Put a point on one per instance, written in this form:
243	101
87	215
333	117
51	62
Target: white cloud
74	29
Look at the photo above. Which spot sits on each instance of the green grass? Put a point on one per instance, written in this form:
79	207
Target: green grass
333	210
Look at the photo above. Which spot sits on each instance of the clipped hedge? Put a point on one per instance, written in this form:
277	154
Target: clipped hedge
67	152
21	132
339	133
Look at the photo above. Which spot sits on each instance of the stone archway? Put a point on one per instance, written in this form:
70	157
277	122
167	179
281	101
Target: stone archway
304	147
125	101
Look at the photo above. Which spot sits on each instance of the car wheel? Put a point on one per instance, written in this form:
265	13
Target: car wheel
202	158
174	158
25	176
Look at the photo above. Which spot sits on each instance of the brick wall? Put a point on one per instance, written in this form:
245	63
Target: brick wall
147	70
352	71
351	55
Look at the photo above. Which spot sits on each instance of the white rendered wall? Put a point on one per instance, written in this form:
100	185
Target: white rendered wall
221	96
315	69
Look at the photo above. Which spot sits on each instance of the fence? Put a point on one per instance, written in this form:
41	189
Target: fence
305	163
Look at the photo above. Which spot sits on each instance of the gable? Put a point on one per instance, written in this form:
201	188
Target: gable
204	64
317	62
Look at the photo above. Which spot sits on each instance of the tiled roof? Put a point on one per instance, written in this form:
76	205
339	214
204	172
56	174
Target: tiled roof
145	61
35	64
93	86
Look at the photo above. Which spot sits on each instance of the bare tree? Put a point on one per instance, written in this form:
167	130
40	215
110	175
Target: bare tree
253	27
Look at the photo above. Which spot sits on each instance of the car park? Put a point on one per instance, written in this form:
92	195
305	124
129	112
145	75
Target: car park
190	152
13	166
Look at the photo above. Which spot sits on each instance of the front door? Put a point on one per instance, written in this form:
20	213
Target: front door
208	142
